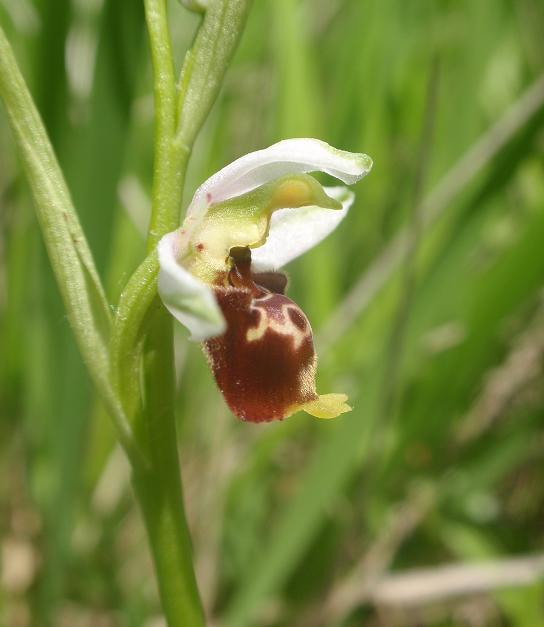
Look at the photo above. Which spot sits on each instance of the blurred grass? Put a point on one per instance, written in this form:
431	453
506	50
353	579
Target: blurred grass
285	515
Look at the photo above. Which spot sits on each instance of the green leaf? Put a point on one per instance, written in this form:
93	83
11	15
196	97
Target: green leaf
69	254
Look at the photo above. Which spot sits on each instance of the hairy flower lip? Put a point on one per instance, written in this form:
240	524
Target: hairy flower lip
265	362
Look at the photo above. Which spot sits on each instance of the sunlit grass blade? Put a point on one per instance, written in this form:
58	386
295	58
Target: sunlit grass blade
70	257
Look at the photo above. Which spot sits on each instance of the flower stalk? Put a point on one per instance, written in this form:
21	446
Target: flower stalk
159	486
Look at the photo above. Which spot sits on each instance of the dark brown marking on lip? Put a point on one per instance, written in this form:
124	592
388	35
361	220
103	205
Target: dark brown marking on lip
297	318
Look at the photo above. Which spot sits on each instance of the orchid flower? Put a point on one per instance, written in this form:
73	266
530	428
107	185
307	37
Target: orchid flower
219	273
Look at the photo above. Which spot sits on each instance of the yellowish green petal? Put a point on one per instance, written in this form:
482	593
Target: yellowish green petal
244	221
327	406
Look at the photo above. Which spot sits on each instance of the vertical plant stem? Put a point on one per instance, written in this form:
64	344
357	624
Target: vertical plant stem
179	117
159	486
159	489
170	157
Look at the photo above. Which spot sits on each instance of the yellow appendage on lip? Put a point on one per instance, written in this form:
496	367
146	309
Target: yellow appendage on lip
327	406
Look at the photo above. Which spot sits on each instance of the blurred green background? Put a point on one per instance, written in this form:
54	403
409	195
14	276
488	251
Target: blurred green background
427	303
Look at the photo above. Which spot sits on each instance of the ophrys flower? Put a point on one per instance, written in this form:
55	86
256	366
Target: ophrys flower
219	273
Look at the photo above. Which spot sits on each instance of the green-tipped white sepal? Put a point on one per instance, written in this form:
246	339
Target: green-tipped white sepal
290	156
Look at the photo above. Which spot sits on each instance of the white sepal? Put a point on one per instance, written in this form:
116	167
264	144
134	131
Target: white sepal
290	156
188	299
295	231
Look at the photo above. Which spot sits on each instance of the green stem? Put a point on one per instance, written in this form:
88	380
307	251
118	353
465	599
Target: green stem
170	157
180	114
185	111
129	333
158	487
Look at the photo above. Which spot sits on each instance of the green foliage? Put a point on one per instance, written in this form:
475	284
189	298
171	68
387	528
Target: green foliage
440	461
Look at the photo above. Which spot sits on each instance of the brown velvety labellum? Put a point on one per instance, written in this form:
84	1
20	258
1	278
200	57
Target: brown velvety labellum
264	364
